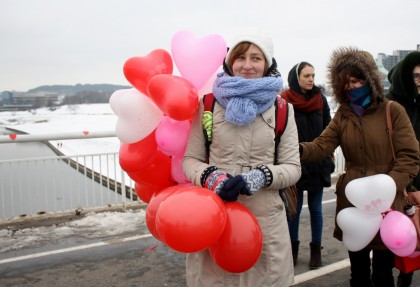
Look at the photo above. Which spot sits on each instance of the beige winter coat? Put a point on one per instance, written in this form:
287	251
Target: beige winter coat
234	150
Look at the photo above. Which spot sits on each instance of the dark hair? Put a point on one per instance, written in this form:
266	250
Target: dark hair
303	65
343	77
239	50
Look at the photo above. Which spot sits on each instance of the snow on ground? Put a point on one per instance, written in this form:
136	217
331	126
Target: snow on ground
94	225
87	117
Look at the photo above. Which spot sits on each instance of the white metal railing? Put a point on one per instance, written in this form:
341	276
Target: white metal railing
59	184
63	183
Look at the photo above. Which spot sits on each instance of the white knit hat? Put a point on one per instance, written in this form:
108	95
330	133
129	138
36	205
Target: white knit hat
257	37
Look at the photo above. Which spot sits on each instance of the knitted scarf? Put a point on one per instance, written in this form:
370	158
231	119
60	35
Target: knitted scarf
302	103
243	98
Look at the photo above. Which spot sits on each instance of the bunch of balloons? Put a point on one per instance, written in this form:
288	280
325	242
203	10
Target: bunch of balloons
154	119
191	219
372	197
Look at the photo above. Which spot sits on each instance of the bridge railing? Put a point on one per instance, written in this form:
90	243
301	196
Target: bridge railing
68	183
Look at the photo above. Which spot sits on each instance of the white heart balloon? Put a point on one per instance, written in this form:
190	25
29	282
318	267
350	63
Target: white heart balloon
373	194
138	116
359	227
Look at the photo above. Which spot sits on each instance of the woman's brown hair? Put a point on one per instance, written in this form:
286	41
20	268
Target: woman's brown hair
239	50
343	77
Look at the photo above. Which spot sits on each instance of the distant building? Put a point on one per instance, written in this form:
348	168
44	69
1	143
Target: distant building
38	99
386	62
389	61
18	101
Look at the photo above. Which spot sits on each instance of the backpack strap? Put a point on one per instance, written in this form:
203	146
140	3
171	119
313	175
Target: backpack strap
208	101
282	113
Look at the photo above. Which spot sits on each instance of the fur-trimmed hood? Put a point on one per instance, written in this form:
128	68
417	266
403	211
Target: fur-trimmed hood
349	56
403	88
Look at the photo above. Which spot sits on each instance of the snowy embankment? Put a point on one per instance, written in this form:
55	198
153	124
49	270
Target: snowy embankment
65	119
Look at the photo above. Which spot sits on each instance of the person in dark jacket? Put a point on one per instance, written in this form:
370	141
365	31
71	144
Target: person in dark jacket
312	114
405	89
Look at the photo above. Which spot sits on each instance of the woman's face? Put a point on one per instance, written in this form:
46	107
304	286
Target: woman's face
250	64
416	76
354	83
306	78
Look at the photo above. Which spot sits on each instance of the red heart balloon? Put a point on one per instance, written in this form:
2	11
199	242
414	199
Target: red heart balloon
175	96
139	70
138	155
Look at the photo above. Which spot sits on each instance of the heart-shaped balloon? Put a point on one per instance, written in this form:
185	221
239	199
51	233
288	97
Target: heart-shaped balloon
197	58
373	194
172	136
359	227
138	116
139	70
175	96
398	233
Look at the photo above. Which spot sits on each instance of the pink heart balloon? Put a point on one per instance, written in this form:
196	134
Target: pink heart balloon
197	58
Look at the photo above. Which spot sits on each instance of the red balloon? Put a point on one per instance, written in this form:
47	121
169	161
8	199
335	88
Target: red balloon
175	96
135	156
240	245
153	207
139	70
191	220
145	191
158	172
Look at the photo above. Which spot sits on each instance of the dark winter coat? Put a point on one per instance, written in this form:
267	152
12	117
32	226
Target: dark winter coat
310	125
364	140
404	91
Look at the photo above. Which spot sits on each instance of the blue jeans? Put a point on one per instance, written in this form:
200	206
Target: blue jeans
315	211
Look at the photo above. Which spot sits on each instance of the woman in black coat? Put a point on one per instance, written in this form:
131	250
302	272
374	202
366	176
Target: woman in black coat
312	115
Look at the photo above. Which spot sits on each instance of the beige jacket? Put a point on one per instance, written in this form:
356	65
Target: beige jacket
234	150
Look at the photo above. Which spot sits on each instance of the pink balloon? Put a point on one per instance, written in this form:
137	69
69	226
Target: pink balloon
197	58
172	135
398	233
176	170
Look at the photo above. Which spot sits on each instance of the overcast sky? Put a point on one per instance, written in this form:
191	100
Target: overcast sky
46	42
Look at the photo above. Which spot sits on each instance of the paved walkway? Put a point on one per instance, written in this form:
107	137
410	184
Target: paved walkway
138	259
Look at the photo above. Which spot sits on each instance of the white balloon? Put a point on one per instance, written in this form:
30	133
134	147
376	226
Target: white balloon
373	194
359	227
138	116
114	100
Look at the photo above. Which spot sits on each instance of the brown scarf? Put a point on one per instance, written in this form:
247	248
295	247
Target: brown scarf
302	103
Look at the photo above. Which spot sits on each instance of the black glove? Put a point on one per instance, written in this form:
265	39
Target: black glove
230	188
